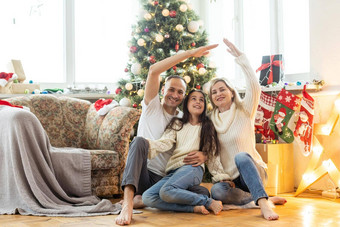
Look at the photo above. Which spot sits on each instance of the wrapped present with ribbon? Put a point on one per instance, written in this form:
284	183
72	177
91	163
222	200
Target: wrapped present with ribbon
271	69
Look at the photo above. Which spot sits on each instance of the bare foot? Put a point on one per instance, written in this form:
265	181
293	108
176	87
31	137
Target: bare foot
200	210
138	202
125	216
278	200
216	207
267	211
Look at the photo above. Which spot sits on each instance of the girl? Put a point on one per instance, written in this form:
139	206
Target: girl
233	119
192	132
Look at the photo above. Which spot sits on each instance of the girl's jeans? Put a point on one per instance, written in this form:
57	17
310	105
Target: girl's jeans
170	193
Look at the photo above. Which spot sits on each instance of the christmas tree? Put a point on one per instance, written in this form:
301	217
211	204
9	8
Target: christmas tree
168	27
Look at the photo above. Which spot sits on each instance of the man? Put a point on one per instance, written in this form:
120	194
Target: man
140	173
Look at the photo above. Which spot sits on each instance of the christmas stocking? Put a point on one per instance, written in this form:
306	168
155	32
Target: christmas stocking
286	105
263	115
304	126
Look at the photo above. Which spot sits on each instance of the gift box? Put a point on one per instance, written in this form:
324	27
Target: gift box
271	69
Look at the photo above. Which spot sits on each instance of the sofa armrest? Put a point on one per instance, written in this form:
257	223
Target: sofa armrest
112	131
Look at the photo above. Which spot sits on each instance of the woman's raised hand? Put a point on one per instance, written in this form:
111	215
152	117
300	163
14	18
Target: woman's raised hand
232	49
204	50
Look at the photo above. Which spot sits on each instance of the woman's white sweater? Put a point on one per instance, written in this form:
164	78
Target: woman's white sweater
235	127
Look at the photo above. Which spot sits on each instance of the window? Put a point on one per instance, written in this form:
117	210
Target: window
67	42
259	28
33	33
74	42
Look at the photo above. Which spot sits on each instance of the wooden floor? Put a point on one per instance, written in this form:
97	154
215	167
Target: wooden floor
305	210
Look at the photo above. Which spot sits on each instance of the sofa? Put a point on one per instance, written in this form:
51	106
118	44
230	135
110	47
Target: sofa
71	122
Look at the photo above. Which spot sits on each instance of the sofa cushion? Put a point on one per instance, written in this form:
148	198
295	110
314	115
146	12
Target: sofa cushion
104	159
112	131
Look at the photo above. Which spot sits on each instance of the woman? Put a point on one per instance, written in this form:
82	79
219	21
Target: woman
194	131
233	119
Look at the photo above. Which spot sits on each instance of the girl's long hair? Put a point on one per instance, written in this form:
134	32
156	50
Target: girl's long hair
209	143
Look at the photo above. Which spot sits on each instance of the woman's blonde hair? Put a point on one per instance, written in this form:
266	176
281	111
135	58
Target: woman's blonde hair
236	99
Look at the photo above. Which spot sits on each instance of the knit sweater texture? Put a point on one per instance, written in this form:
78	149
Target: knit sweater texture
185	140
235	127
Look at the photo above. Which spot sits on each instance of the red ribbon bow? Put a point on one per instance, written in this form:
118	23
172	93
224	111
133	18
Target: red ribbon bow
270	64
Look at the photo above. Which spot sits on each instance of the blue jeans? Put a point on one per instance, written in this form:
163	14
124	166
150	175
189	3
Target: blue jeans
170	193
250	180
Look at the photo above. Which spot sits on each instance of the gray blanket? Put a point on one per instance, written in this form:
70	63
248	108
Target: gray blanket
37	179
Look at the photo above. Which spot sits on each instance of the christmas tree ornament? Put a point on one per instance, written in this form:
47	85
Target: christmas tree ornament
146	29
172	13
147	16
263	115
176	47
36	91
193	44
193	26
200	65
174	68
126	70
140	92
155	3
27	91
140	42
198	86
179	27
160	51
133	49
286	105
142	83
304	126
167	36
125	102
202	71
165	12
134	105
189	6
183	8
128	86
159	38
136	68
152	59
187	79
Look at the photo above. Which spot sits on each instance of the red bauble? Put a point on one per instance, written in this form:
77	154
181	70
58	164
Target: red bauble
155	3
176	47
133	49
174	68
152	59
172	13
193	44
199	65
198	86
126	70
134	105
118	90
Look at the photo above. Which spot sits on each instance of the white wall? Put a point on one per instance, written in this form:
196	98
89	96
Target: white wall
325	40
325	63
